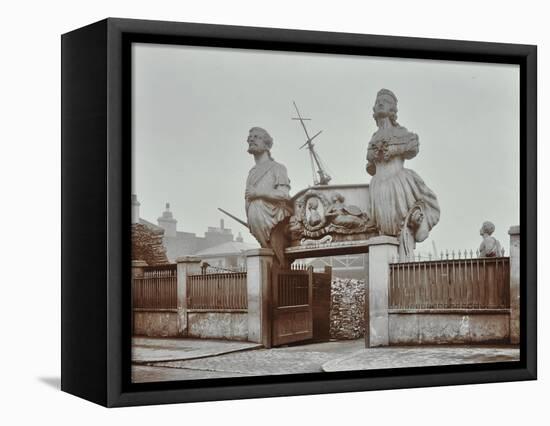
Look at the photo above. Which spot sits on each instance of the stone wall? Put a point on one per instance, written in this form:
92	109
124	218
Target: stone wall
448	328
155	324
218	325
347	309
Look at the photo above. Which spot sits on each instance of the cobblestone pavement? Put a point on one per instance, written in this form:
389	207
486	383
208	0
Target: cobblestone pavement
330	356
259	362
147	349
399	357
145	373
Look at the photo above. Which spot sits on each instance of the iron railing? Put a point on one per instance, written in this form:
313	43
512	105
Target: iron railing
466	283
217	291
157	289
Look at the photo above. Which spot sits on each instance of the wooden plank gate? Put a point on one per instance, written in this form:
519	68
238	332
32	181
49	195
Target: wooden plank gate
301	305
292	312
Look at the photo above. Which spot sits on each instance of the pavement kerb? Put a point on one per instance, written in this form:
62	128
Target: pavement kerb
337	361
188	358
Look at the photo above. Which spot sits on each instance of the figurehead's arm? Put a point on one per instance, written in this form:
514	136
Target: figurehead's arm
406	147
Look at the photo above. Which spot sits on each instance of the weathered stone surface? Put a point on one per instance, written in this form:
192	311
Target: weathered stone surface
186	265
404	329
347	309
489	328
381	252
258	286
155	324
428	328
402	205
217	325
514	283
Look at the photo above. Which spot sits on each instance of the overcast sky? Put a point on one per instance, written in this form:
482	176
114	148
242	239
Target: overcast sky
193	107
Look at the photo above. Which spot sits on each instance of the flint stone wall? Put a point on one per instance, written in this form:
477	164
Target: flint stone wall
347	308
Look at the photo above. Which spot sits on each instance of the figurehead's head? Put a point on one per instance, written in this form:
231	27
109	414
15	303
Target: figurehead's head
487	228
259	141
385	106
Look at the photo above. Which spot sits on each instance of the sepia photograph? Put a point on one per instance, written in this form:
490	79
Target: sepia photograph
297	212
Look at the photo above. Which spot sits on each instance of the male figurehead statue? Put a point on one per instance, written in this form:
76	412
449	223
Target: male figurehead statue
267	195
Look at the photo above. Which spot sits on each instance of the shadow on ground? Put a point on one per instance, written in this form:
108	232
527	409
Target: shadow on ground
54	382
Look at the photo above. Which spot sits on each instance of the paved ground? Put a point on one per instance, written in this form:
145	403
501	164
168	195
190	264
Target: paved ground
398	357
330	356
145	350
296	359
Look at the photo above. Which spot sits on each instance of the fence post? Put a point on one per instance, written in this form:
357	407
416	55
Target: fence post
382	250
514	284
258	286
137	268
186	265
137	272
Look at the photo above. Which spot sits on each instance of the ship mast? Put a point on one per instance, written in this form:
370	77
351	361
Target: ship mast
320	176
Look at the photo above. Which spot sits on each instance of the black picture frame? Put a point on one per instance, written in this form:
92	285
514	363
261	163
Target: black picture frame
96	336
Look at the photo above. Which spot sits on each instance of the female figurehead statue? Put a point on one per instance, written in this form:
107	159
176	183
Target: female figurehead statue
401	203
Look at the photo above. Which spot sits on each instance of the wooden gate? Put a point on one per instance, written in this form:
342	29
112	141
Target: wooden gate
322	283
292	306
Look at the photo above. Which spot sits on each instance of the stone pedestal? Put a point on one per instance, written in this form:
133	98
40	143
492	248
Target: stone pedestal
258	282
381	252
186	265
514	284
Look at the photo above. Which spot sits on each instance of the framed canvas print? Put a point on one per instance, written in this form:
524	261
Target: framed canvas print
254	212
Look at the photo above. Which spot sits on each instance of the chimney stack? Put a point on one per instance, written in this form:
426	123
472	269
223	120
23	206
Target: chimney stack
135	209
168	223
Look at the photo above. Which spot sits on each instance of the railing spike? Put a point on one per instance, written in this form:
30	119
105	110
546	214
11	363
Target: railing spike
477	253
441	255
430	256
502	251
459	253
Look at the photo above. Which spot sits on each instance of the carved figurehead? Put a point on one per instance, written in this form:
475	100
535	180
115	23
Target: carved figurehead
322	216
267	195
402	205
490	246
344	216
